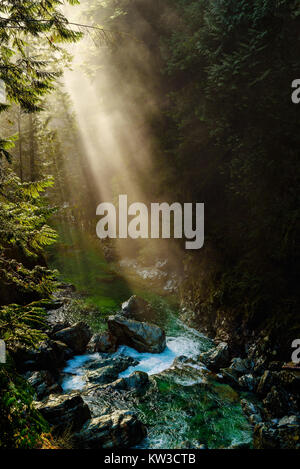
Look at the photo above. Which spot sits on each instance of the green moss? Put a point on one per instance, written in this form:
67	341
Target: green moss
209	415
80	260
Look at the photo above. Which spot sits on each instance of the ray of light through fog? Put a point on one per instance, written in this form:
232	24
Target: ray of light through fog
112	116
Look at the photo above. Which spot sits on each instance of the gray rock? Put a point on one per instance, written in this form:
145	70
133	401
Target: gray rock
110	372
216	358
142	336
249	408
104	375
64	412
102	343
120	362
58	326
76	337
289	420
121	429
137	308
138	382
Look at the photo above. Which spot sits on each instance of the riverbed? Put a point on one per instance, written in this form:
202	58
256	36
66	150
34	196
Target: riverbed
186	406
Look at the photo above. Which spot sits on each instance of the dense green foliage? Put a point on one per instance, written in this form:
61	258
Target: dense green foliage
28	75
20	424
236	62
24	235
210	81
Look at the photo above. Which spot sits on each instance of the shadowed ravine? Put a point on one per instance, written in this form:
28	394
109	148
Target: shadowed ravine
186	405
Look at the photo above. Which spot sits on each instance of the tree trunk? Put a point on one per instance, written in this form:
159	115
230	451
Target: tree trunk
20	146
32	154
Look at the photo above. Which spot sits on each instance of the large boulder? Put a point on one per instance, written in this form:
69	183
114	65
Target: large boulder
49	355
121	429
142	336
284	435
137	382
102	343
76	337
119	362
104	375
108	371
251	411
139	309
216	358
64	412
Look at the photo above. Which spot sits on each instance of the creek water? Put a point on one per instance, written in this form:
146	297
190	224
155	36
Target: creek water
186	405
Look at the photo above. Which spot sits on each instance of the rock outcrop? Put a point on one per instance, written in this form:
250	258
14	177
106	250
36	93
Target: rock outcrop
139	309
216	358
142	336
283	435
108	370
64	412
121	429
76	337
102	343
137	382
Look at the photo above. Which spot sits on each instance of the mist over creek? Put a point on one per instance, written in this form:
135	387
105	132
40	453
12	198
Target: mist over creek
118	117
186	405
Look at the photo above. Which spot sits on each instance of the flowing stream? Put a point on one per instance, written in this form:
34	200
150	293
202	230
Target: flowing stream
186	405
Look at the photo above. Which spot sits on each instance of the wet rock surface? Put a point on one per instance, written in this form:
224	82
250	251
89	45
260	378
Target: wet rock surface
64	412
139	309
216	358
121	429
102	406
110	372
142	336
102	343
76	337
137	382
